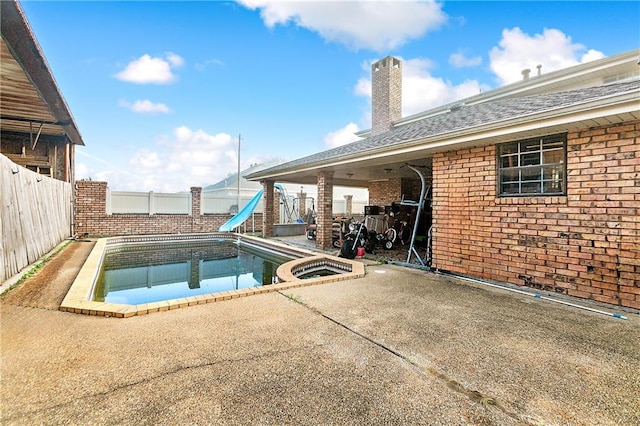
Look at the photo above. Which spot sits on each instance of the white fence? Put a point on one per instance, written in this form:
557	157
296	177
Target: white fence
35	216
121	202
222	203
148	203
340	207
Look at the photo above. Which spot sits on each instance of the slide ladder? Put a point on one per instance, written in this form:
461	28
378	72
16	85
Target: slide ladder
288	211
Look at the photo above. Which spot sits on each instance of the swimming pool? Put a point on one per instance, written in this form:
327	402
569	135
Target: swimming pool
186	270
144	273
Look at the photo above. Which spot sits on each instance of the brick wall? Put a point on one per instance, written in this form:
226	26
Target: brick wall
134	256
91	217
584	244
383	193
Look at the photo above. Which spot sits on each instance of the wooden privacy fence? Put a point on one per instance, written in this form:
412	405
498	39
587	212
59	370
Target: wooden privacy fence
35	216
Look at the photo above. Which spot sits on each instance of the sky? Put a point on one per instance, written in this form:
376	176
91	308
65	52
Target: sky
163	92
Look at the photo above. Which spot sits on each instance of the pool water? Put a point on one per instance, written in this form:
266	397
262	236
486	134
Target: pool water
145	273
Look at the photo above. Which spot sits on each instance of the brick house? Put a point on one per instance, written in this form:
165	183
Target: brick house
536	183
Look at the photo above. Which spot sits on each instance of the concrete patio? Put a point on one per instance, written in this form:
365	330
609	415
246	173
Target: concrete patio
400	346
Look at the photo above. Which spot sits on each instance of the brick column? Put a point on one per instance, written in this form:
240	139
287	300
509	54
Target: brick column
325	209
267	215
196	194
348	204
91	206
276	205
302	205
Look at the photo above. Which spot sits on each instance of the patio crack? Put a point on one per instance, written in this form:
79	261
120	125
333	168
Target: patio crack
473	395
147	380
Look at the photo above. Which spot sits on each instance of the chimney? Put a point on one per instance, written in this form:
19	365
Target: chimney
386	94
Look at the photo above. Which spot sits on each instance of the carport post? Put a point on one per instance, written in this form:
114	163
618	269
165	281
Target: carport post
324	219
268	206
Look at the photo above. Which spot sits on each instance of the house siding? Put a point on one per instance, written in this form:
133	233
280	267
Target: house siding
584	244
48	151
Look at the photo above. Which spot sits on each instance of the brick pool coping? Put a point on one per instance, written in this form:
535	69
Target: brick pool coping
78	298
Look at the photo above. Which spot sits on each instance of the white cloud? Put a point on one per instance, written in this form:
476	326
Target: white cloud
591	55
342	136
421	90
175	163
201	66
552	49
460	60
145	107
176	61
96	168
147	69
374	25
82	171
184	159
146	159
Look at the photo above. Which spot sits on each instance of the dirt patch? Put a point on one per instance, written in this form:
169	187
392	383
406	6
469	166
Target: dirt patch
47	288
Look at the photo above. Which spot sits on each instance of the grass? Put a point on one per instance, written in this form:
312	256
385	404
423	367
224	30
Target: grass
38	265
292	297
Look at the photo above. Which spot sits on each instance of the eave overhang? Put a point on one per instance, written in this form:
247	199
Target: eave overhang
31	100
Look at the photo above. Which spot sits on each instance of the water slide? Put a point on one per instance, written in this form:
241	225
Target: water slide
239	218
246	211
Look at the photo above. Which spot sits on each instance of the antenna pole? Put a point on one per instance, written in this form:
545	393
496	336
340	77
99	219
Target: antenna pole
238	200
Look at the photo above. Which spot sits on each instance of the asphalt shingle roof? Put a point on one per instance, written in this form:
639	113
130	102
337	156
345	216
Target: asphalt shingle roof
465	118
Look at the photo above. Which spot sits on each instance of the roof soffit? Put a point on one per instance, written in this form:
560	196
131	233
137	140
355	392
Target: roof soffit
30	95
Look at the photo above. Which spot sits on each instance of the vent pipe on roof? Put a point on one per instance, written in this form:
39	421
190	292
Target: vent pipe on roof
456	107
525	73
539	70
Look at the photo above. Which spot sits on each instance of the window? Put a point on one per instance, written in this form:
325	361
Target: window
533	166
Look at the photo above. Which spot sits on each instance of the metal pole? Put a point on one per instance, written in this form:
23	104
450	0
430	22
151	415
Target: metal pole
238	200
412	249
